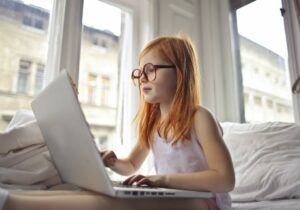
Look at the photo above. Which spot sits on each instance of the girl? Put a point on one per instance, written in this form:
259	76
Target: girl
185	139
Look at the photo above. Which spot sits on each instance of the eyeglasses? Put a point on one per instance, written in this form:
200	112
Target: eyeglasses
149	70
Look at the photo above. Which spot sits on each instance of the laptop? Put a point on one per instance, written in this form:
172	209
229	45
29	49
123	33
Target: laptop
74	152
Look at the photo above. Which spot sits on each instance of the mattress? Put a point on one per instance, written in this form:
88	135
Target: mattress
287	204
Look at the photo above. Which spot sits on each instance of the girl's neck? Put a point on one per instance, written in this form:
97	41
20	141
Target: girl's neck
164	110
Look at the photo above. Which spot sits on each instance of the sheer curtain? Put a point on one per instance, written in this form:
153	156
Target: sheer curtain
292	27
297	8
296	84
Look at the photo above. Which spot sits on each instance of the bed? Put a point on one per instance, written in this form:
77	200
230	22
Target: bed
286	204
266	159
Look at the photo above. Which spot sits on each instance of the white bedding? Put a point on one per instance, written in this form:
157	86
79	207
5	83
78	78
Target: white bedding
288	204
266	160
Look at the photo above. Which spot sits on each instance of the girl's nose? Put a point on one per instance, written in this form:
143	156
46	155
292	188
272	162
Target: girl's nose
143	78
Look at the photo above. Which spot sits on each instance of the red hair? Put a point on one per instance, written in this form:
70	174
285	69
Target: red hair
180	52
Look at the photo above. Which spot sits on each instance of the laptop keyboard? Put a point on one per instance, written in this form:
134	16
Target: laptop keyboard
136	193
119	184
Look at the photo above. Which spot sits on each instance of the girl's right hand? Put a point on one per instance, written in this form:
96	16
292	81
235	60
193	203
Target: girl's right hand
109	158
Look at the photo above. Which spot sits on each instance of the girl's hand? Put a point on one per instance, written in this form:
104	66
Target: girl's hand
109	158
152	181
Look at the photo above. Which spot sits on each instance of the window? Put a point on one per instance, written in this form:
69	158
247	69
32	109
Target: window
38	24
95	41
257	100
33	22
270	104
105	90
104	44
92	85
263	47
98	89
23	76
280	108
23	53
27	21
102	142
39	78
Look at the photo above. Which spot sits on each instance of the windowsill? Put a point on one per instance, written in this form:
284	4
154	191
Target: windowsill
97	106
11	93
33	29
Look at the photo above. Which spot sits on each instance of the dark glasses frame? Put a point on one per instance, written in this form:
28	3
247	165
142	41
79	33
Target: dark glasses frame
141	72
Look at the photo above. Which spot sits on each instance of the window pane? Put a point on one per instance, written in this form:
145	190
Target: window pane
99	67
267	90
23	53
23	76
39	78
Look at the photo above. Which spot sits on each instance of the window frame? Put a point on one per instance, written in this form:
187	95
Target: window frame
64	53
237	4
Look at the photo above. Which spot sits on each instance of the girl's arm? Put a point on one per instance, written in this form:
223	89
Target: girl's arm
220	175
129	165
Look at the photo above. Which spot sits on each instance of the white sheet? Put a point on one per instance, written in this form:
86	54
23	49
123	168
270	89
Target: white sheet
266	160
25	162
288	204
3	196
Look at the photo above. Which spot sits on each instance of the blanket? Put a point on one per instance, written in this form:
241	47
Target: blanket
25	162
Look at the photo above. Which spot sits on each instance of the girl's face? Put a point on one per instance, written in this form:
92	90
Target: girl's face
163	88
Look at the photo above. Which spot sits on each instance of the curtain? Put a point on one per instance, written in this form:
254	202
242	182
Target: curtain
296	84
297	8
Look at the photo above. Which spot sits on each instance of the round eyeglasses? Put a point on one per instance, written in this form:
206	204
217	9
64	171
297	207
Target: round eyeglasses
149	70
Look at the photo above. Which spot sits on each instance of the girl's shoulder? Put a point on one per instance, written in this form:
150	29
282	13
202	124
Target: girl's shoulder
204	116
203	112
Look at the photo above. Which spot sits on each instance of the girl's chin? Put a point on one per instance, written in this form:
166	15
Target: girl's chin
150	100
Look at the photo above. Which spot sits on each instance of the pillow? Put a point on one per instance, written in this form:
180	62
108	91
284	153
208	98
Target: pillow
266	159
25	162
21	117
21	132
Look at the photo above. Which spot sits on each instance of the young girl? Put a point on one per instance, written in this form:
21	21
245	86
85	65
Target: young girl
185	139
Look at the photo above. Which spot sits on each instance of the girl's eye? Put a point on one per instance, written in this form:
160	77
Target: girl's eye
149	70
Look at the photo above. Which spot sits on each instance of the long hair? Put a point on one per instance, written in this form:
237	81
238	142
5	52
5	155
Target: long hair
179	51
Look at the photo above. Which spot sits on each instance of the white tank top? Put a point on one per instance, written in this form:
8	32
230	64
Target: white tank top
183	157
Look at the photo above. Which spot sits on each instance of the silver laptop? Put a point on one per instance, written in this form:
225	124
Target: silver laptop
72	147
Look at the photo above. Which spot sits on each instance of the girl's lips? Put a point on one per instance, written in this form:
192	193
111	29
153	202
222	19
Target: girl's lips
147	89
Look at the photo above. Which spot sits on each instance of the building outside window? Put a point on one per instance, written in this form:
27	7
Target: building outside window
23	53
263	53
99	68
26	76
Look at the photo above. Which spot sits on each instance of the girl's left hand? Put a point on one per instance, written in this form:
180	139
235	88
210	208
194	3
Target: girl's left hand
152	181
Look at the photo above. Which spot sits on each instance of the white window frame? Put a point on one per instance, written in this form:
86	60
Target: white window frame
64	53
220	85
65	39
292	30
293	42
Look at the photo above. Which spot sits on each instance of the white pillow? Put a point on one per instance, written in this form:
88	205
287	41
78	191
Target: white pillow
266	159
21	132
25	162
21	117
